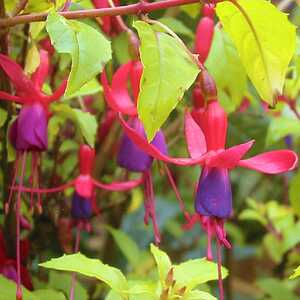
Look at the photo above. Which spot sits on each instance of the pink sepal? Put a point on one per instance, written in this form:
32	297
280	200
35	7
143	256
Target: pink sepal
272	162
6	96
229	158
40	75
24	86
144	145
119	186
58	93
117	96
84	186
195	138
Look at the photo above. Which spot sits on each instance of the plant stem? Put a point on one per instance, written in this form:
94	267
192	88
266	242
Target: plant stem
137	8
19	7
18	216
76	249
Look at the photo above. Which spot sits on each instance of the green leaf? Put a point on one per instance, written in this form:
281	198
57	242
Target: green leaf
32	59
224	59
89	49
3	116
294	193
127	245
46	294
253	215
90	267
90	88
265	40
199	295
296	273
8	290
193	272
62	282
177	26
163	262
86	122
280	127
275	289
112	295
168	72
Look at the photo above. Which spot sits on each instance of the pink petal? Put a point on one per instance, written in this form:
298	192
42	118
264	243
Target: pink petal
40	75
194	137
230	157
119	186
6	96
58	93
117	96
272	162
24	86
144	145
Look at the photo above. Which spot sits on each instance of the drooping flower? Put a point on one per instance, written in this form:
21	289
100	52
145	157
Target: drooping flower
84	197
130	156
206	131
28	133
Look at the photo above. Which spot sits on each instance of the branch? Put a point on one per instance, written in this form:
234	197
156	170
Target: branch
137	8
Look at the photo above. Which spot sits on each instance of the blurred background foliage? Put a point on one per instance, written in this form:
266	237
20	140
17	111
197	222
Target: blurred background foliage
265	227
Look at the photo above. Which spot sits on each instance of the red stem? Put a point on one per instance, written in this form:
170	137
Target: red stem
137	8
220	280
18	209
76	249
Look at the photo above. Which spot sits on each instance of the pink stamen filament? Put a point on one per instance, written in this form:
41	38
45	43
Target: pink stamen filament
18	244
209	254
76	249
8	203
220	281
178	196
150	206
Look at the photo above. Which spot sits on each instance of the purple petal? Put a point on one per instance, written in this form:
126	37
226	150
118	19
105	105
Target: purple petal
9	272
214	196
81	207
32	128
131	157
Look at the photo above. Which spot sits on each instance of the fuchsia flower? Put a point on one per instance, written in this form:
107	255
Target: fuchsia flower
28	133
83	201
206	131
130	156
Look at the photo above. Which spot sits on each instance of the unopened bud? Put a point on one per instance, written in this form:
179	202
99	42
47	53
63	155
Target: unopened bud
165	294
208	10
181	291
208	86
134	45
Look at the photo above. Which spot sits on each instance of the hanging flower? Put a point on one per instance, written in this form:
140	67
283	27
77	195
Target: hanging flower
130	156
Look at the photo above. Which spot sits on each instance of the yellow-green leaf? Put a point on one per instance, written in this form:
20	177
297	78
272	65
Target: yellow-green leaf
265	40
168	72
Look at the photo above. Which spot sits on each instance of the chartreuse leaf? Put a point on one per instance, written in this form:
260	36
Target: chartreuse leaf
8	290
62	282
90	267
196	271
127	246
199	295
88	48
296	273
86	122
163	262
168	72
294	193
265	40
224	59
46	294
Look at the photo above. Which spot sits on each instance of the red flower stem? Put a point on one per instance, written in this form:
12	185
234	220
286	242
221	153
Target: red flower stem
7	205
178	196
220	280
76	249
18	215
137	8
